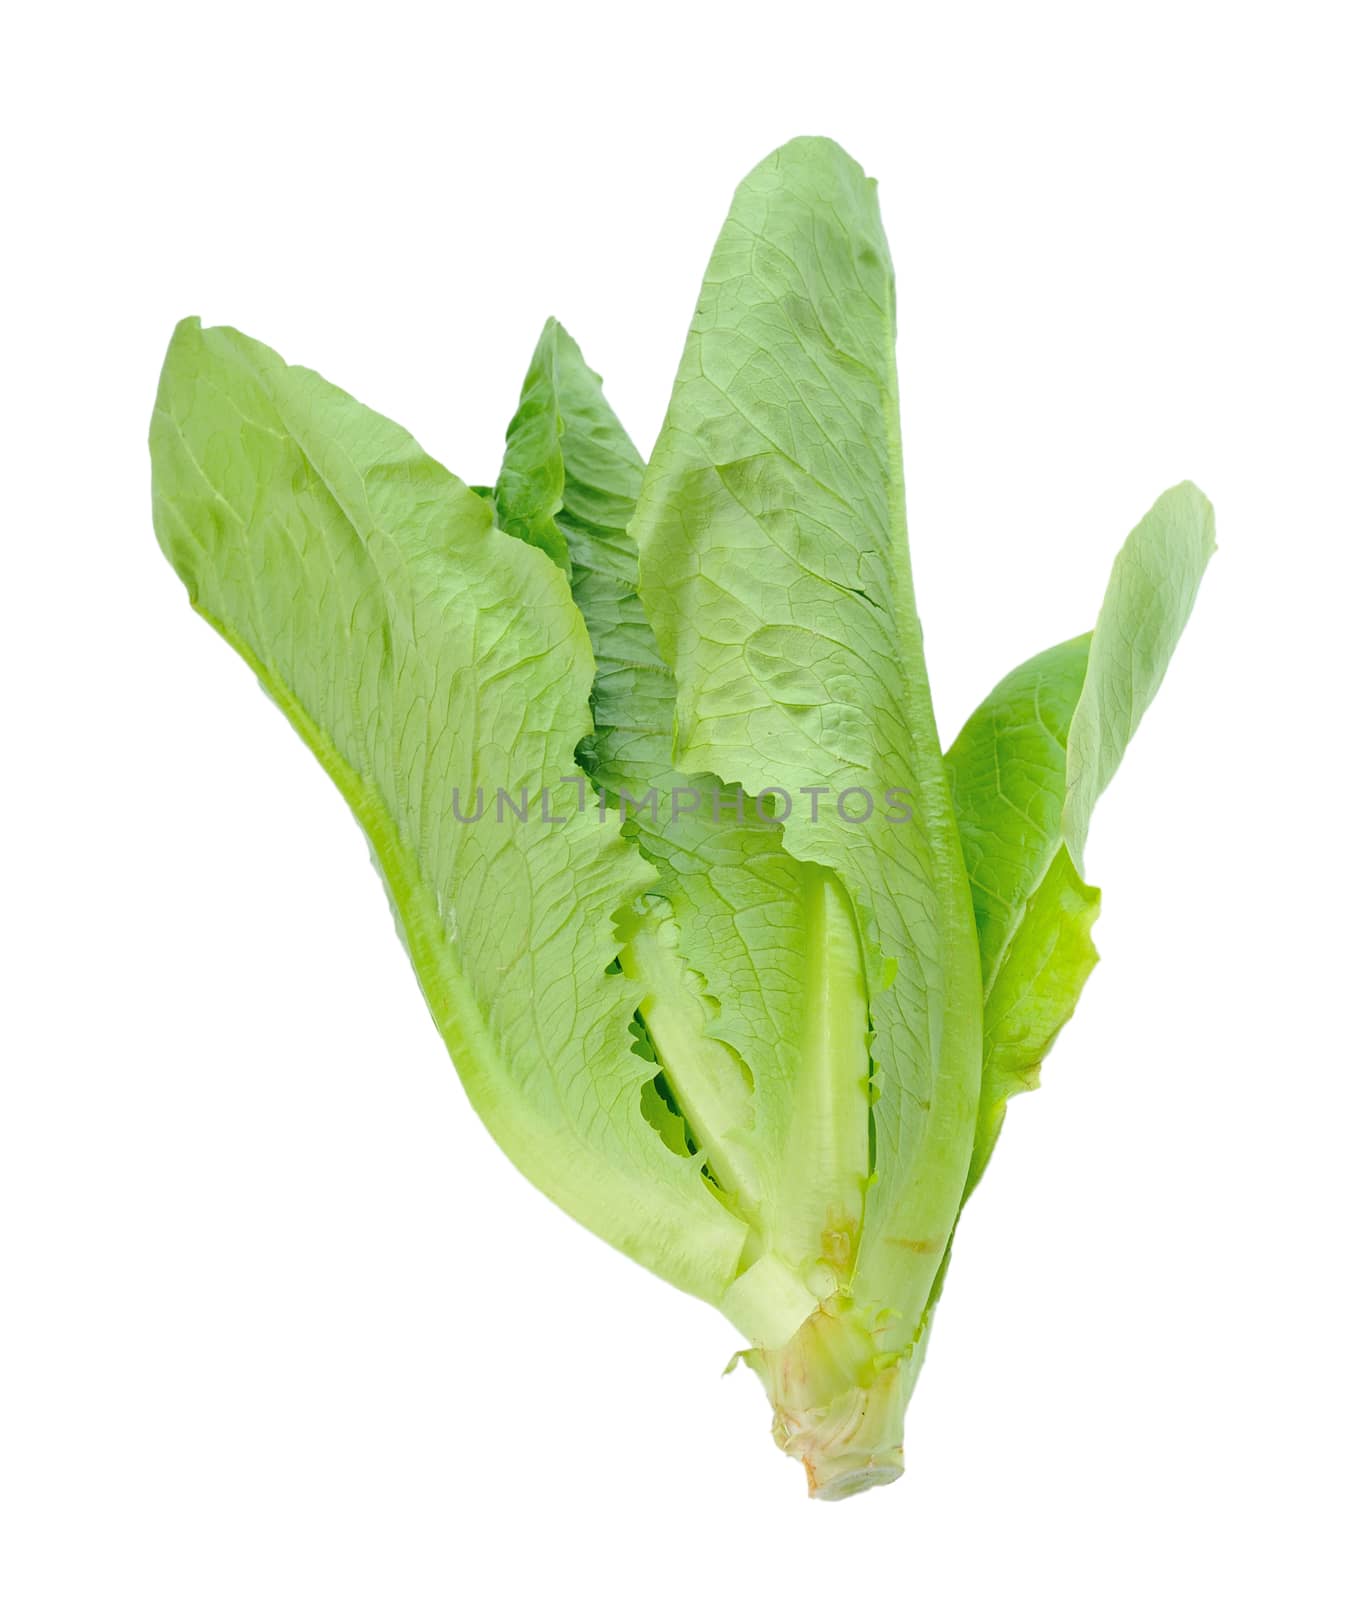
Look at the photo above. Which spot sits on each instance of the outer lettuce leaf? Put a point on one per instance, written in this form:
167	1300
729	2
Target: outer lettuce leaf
416	649
1023	794
774	568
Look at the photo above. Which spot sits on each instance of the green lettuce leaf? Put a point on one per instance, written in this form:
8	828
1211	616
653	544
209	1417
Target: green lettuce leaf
1025	772
418	651
775	571
757	1074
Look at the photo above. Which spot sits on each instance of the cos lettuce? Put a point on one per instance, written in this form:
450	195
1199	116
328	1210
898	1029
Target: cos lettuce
735	963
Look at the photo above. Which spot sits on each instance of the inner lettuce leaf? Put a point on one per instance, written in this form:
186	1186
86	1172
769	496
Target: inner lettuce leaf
735	965
774	567
772	1075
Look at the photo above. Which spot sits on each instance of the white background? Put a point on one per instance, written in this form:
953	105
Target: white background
278	1319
